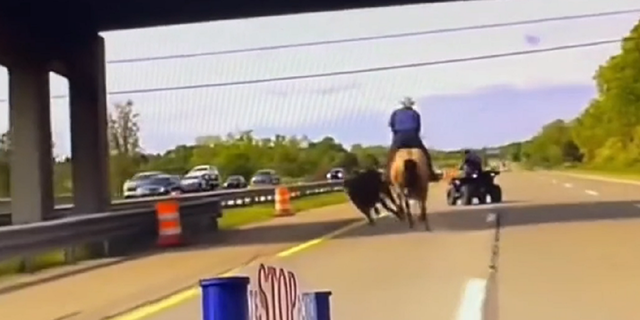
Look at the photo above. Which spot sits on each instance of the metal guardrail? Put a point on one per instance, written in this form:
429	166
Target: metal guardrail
66	210
64	202
198	213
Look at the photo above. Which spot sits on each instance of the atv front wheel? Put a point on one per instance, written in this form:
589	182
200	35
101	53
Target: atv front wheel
466	195
496	194
451	197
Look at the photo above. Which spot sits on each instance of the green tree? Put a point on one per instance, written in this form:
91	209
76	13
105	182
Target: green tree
606	135
124	129
124	144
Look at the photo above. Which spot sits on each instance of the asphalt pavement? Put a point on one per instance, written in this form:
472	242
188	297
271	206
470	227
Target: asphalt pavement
568	248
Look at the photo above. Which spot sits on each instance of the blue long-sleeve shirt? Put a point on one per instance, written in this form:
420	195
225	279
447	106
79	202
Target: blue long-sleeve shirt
405	120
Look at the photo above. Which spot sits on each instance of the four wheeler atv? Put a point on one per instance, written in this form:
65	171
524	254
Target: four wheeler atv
478	185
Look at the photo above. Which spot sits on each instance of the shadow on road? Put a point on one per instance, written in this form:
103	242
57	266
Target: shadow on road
469	219
476	218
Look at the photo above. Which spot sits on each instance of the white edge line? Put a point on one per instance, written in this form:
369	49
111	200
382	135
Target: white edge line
470	307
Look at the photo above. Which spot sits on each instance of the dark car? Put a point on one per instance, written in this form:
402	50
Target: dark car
198	181
265	177
155	185
336	174
235	182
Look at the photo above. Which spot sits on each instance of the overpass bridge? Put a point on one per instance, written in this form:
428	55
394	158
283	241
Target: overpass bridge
62	36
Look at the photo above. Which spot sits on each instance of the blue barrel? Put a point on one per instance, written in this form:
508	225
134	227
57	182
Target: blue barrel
225	298
320	304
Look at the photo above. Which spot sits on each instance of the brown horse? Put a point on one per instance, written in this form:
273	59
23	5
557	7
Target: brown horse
409	172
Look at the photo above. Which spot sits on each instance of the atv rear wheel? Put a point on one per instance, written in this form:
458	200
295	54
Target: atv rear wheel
451	197
482	198
466	195
496	194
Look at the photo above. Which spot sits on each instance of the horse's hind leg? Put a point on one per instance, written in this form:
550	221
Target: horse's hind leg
376	210
423	215
407	206
370	218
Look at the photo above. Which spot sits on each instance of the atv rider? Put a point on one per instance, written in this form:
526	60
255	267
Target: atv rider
405	125
471	163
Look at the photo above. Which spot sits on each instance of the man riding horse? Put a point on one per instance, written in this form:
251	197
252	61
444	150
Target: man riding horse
405	124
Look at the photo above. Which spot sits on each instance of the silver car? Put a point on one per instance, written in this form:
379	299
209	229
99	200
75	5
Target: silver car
207	172
265	177
197	181
149	184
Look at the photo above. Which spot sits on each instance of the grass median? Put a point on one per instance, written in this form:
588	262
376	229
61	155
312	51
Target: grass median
237	217
233	218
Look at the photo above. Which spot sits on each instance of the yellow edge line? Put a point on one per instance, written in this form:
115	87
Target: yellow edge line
182	296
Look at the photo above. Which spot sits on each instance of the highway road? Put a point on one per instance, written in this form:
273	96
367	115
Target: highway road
569	249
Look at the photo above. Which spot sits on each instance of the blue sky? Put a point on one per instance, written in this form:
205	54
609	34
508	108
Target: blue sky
464	105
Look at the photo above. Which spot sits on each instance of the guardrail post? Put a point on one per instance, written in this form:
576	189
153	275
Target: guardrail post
321	303
225	298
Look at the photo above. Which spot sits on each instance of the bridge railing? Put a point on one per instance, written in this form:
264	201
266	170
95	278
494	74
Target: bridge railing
198	213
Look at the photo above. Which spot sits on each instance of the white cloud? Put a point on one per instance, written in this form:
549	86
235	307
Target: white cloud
292	103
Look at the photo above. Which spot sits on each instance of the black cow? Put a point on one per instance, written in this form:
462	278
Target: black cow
366	189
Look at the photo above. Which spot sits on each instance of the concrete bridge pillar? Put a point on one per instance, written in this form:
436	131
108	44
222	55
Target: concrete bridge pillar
89	142
31	158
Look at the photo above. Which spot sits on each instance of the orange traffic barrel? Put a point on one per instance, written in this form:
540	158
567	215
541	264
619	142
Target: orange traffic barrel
169	226
283	202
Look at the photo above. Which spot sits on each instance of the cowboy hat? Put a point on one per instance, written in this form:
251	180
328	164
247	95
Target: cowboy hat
408	102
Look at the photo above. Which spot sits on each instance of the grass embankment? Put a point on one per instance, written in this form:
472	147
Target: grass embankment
233	218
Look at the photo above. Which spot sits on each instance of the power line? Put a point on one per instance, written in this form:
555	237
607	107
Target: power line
373	38
361	71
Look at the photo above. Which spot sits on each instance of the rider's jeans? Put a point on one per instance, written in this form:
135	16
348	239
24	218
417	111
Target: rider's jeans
407	140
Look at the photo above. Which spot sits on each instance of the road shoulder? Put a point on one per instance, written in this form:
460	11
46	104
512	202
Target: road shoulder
120	287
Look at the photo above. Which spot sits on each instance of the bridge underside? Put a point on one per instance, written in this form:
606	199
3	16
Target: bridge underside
105	15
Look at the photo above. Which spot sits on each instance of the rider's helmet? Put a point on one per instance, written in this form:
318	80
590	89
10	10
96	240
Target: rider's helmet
466	152
407	102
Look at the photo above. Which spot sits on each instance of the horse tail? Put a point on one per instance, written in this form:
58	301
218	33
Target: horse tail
411	174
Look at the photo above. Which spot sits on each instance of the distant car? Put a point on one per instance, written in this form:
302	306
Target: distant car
130	187
235	182
265	177
151	184
336	174
213	175
198	181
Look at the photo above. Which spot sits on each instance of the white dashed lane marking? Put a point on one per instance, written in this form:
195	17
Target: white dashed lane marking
470	307
591	192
